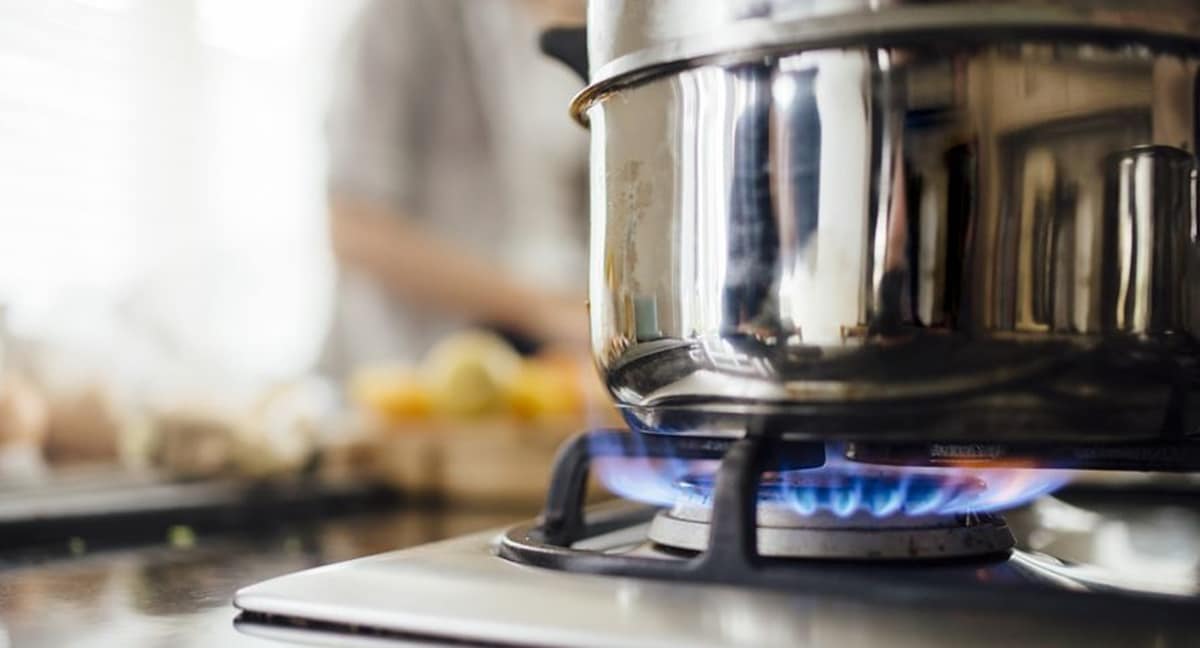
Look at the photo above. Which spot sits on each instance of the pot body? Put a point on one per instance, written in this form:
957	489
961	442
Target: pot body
988	239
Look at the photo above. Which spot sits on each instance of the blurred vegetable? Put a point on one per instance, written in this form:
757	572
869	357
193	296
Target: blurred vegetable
193	443
85	427
396	395
278	434
24	415
469	373
282	432
24	420
475	375
546	389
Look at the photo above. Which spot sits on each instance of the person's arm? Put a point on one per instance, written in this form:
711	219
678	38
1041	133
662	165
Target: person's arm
377	129
431	273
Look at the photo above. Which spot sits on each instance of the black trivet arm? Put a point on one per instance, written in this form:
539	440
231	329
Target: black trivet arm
733	531
563	521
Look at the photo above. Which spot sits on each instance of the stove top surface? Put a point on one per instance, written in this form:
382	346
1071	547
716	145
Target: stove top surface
1124	576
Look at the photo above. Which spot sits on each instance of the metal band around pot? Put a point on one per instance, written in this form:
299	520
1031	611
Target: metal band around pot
754	39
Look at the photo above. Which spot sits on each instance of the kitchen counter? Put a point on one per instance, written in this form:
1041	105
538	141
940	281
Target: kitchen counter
178	593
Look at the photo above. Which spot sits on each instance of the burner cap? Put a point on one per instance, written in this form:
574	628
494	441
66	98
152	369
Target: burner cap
789	527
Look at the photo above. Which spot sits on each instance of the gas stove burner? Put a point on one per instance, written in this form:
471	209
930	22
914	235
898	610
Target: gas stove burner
787	535
757	520
822	516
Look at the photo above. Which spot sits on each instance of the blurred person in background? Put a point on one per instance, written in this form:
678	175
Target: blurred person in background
457	181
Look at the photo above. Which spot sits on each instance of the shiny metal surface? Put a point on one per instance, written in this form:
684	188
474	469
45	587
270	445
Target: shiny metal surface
1150	241
460	591
631	36
995	241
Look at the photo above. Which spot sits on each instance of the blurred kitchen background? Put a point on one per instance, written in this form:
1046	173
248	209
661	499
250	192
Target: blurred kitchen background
167	288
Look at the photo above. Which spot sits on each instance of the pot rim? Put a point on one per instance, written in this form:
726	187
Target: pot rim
755	39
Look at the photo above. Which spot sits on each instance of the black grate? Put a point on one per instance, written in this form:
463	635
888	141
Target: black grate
732	557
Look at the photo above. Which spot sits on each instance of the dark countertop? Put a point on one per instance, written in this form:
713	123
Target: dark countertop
178	594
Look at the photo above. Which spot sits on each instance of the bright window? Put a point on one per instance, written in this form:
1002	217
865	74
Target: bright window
161	175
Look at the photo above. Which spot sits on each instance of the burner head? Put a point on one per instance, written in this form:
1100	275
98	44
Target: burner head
821	516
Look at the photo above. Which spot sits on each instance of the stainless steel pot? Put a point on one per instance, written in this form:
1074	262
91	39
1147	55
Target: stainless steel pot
894	219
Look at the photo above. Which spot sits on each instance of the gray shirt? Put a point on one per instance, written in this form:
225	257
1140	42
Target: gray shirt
445	111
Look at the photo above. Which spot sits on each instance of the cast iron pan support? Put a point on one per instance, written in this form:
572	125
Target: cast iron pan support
733	533
732	557
563	521
733	545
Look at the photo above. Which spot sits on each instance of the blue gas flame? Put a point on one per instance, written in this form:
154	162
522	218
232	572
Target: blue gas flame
841	488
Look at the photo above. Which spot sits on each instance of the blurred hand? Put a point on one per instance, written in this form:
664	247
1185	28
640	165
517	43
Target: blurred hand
428	272
550	13
560	322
